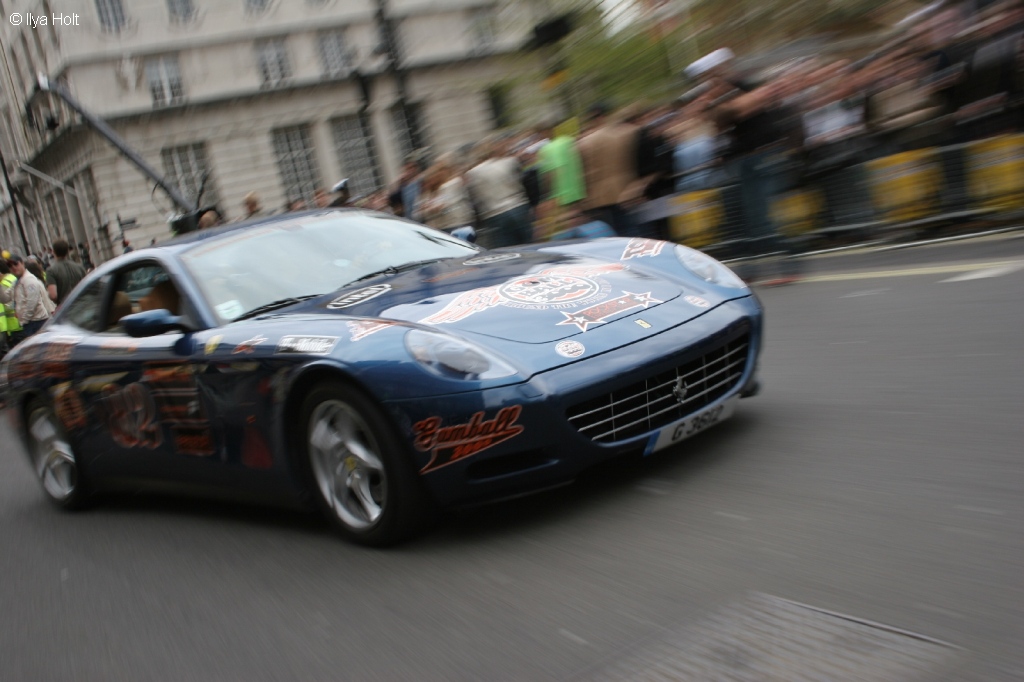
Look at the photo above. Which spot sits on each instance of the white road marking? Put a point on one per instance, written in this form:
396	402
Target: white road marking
570	636
987	273
941	269
734	517
980	510
968	531
867	292
654	486
935	609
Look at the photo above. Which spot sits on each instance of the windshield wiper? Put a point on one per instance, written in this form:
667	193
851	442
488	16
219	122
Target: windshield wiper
282	303
395	269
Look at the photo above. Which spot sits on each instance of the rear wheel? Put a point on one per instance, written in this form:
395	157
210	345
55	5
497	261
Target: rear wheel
362	476
53	459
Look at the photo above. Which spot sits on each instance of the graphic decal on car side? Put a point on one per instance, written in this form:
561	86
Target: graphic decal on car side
249	346
68	406
130	415
176	395
360	329
306	345
358	296
256	453
56	358
118	348
558	288
599	314
26	363
449	444
213	343
640	248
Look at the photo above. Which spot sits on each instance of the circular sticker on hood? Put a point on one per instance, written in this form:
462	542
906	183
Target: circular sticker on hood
697	301
570	349
358	296
493	258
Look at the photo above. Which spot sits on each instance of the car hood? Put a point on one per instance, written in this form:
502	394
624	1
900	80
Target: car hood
527	297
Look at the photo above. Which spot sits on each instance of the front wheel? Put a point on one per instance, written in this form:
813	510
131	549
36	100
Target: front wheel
53	459
362	476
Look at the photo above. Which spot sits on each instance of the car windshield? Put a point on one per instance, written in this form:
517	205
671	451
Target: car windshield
316	254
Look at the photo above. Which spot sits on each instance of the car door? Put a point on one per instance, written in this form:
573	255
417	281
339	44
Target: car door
146	411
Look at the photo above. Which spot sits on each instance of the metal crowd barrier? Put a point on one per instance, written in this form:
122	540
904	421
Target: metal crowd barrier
922	188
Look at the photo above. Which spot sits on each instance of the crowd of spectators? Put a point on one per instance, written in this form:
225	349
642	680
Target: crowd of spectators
953	75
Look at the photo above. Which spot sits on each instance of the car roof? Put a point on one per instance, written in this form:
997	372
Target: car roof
186	241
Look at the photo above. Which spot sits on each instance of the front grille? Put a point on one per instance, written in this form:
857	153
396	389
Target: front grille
650	404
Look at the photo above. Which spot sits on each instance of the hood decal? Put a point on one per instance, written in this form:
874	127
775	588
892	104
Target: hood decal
306	345
599	314
493	258
358	296
556	288
360	329
639	248
570	349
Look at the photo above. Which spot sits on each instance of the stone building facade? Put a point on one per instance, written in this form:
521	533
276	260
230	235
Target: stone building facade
277	97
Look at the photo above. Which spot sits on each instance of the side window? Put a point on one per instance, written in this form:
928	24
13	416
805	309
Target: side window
141	288
84	311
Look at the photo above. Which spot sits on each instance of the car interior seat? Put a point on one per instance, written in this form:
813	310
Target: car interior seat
119	307
163	296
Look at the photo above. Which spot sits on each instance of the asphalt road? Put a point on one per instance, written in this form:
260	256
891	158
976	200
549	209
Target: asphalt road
880	474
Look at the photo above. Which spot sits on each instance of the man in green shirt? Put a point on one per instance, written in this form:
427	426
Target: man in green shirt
561	169
64	274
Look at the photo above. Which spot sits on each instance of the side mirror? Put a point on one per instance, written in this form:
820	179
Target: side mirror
152	323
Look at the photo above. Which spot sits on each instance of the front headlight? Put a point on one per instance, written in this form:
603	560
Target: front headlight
452	358
707	268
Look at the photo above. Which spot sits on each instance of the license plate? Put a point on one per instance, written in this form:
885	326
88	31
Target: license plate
679	431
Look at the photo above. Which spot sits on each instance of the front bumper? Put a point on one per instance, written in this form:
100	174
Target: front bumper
502	442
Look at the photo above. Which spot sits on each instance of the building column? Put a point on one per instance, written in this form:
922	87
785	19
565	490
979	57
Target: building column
327	159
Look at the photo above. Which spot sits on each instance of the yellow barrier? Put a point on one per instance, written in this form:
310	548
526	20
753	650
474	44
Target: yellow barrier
905	186
995	172
797	212
699	218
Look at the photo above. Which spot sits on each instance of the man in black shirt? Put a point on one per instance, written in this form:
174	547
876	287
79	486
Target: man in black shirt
762	134
64	274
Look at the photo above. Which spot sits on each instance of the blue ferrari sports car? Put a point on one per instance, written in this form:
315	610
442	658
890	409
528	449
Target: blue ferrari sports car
374	367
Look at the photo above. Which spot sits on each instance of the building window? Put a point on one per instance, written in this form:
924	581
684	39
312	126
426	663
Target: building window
404	120
181	10
256	6
85	185
483	29
335	58
56	210
498	97
185	167
164	78
356	153
272	60
293	148
112	17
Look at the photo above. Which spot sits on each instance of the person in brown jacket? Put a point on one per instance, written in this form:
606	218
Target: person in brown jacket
609	156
